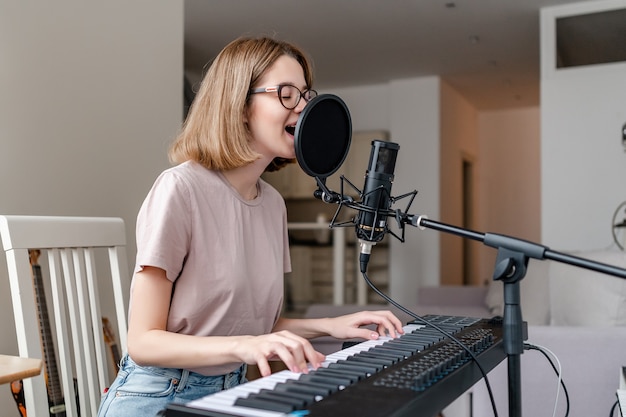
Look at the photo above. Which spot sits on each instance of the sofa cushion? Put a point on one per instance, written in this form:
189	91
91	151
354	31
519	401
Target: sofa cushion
591	360
581	297
454	295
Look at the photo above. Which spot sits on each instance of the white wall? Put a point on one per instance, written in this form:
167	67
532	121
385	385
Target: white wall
510	178
505	147
583	162
368	106
409	110
91	96
415	115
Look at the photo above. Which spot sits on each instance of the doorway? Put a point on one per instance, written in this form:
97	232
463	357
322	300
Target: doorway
467	200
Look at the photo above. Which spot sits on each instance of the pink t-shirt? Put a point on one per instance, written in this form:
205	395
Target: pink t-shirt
226	256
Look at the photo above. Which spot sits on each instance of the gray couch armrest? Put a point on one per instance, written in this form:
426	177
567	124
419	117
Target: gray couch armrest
453	295
591	359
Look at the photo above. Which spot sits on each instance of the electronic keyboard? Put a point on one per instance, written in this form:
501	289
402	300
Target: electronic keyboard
416	374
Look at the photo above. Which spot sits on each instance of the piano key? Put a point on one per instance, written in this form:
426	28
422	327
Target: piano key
379	361
414	345
433	334
228	397
254	386
426	342
207	403
264	404
298	400
306	397
322	389
300	388
425	335
336	381
343	354
353	376
378	366
382	353
359	367
396	350
388	359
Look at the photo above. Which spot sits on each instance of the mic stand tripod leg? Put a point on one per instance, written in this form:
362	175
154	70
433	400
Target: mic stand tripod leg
510	269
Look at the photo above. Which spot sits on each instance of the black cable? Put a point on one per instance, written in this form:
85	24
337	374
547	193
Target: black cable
613	409
445	333
529	346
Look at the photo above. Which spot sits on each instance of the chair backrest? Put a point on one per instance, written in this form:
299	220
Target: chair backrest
71	245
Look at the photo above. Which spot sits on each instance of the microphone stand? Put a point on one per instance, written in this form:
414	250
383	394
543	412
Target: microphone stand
510	268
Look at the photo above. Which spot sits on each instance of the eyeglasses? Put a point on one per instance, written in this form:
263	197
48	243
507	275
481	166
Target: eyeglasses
288	95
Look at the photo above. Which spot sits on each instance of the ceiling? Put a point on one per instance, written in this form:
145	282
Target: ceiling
488	50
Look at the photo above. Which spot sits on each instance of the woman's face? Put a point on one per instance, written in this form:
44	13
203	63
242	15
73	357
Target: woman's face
271	124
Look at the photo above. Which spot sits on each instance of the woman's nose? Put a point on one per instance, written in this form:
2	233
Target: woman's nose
301	104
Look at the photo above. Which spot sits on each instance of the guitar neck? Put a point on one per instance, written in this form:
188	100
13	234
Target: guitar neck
53	383
51	372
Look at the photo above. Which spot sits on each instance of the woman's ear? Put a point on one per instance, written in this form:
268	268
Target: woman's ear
245	115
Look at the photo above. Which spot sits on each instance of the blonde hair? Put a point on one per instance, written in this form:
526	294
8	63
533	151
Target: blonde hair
214	133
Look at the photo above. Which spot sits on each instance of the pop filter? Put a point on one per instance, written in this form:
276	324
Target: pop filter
322	136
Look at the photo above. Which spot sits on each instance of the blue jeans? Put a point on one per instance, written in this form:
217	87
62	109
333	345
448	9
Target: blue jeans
143	391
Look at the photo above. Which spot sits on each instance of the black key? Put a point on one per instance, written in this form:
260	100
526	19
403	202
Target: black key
263	404
354	376
427	342
415	346
358	367
408	336
324	389
378	366
434	335
356	371
389	356
299	401
403	339
391	359
316	392
407	346
336	381
423	337
377	361
396	350
383	354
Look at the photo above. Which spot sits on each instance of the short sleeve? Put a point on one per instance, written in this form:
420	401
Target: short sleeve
164	226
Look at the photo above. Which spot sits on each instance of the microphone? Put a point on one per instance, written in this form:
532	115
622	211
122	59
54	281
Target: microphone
322	139
371	222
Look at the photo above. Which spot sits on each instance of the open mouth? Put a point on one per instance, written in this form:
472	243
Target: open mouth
291	130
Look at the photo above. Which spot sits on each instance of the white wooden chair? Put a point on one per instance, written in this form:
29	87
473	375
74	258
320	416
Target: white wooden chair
72	245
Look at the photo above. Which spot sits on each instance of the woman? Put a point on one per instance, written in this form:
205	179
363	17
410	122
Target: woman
212	244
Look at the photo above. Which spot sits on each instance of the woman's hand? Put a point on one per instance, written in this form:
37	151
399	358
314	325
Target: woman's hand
350	326
293	350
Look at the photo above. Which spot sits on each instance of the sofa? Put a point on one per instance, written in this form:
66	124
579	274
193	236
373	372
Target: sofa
577	314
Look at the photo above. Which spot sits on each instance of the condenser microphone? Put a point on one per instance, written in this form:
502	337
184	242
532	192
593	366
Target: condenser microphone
371	222
322	139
